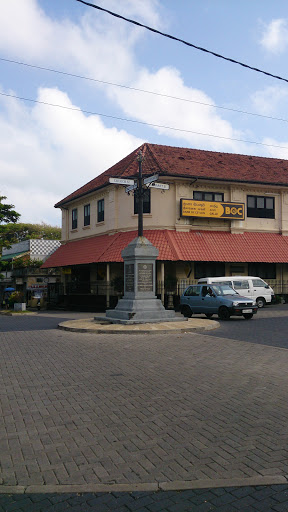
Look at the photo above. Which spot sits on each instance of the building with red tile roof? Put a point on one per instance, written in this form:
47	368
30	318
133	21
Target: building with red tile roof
223	214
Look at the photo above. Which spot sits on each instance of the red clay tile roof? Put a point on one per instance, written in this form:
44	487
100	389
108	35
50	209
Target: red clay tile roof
191	163
177	246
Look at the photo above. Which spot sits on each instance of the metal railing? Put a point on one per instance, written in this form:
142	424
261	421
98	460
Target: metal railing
279	287
90	288
32	271
105	287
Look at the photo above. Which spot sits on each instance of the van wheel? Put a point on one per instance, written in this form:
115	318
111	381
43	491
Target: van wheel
209	315
248	316
261	302
223	313
186	311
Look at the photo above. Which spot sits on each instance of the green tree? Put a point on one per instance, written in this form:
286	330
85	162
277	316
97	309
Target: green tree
20	231
7	215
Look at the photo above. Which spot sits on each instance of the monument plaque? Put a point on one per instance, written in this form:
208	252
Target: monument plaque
129	277
145	277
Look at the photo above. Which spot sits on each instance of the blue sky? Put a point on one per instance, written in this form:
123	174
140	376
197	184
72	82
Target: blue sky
47	152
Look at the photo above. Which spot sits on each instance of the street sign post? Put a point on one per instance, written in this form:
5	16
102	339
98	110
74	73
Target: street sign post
131	187
163	186
150	179
121	181
138	186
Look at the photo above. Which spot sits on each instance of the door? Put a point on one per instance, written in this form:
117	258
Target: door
261	289
209	304
193	298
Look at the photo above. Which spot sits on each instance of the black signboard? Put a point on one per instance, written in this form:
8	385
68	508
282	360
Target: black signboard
145	277
129	277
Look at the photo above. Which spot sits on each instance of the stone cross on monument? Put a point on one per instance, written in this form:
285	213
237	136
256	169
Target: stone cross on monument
139	303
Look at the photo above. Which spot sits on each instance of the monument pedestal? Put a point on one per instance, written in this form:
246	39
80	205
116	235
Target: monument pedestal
140	304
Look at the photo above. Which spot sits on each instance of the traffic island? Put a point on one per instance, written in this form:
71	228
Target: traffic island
91	325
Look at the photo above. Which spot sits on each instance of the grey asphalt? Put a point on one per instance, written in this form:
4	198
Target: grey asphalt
86	413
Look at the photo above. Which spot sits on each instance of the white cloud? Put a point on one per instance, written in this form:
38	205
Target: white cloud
275	36
98	45
46	153
267	101
147	12
276	152
111	43
167	112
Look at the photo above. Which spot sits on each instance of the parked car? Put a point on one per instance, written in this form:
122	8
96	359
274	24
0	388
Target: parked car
216	299
248	286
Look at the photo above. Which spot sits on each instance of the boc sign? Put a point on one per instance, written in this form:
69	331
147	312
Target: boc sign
209	209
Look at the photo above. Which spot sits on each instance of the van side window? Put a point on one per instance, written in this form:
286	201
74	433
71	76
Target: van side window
258	283
222	283
241	285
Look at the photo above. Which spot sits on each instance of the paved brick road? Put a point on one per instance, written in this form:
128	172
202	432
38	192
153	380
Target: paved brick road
232	499
87	410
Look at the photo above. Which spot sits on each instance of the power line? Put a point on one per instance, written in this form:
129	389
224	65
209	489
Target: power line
82	77
141	122
183	41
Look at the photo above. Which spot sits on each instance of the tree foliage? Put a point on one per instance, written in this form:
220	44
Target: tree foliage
19	232
25	262
12	231
7	214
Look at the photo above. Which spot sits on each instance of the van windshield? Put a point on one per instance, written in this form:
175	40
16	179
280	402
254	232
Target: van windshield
224	290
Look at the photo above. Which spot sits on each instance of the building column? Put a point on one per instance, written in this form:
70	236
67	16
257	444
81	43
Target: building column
107	285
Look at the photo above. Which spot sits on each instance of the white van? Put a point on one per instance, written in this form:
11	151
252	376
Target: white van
247	286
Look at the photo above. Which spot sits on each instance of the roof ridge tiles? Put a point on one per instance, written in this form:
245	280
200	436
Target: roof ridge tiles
184	162
149	147
173	243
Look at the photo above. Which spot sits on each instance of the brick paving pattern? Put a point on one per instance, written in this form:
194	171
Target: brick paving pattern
231	499
85	409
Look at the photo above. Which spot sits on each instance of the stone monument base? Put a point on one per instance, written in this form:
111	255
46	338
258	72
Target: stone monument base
139	311
139	304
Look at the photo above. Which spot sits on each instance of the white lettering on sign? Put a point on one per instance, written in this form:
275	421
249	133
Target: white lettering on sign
121	181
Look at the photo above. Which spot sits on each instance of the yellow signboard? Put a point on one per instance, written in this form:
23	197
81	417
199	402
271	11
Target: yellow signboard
212	210
66	270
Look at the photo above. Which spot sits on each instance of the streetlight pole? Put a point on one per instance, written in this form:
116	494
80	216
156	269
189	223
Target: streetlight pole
140	192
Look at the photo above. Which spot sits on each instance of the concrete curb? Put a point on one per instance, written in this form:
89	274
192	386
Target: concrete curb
91	326
19	313
180	485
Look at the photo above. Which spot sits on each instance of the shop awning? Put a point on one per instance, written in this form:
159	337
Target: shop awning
177	246
13	255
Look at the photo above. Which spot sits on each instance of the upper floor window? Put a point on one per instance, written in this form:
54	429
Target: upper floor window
74	218
100	210
208	196
209	269
146	202
87	215
260	207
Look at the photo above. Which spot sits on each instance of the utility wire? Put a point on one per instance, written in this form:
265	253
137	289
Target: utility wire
182	41
82	77
141	122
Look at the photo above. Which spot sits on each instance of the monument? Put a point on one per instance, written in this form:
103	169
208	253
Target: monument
140	304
